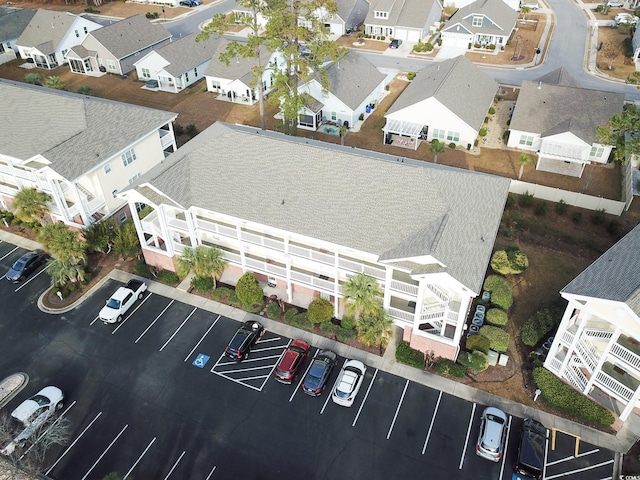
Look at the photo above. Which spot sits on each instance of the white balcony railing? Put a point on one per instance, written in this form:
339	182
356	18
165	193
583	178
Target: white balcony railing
626	355
166	139
401	315
326	258
576	377
586	356
261	266
438	292
598	333
612	386
404	287
377	273
567	338
178	224
231	257
555	365
216	228
310	280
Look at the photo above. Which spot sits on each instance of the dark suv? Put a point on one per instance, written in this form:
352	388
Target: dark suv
530	459
246	336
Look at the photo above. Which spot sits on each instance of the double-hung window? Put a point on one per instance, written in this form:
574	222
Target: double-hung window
129	157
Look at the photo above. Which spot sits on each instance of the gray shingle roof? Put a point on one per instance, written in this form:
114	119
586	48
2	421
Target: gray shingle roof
130	35
615	275
238	69
186	53
353	78
550	109
80	52
13	22
499	18
359	199
402	13
559	76
345	8
456	83
46	26
74	132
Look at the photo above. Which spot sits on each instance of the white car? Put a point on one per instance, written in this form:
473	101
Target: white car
531	5
32	414
348	383
625	18
613	3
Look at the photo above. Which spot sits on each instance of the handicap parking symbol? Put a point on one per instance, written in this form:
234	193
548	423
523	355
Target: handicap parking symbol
201	360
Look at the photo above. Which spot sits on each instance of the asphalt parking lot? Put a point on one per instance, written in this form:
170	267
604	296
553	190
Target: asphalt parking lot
153	398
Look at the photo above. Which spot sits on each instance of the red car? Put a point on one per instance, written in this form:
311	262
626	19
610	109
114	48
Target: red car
291	361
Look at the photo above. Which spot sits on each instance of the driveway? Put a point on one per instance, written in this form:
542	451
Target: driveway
450	51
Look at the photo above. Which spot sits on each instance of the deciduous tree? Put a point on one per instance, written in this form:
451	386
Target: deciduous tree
622	131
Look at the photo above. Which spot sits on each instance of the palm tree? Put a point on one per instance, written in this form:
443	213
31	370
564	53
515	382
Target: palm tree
31	205
202	261
63	243
436	147
523	160
376	329
55	82
524	10
61	272
363	295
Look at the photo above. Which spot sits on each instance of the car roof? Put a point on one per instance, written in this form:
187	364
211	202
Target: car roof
532	444
26	408
495	424
288	359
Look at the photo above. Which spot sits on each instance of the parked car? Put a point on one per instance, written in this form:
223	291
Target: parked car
32	414
395	43
317	376
247	335
188	3
530	5
26	265
121	301
615	4
625	18
348	384
291	361
530	456
493	431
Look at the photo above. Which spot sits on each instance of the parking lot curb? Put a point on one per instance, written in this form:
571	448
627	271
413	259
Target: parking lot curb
11	386
73	305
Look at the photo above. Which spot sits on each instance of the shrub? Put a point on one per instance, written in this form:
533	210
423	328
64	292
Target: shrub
178	129
301	320
511	200
500	288
561	207
526	199
483	132
248	289
479	361
576	217
253	308
496	317
85	90
152	15
498	338
478	342
221	292
329	328
536	327
202	284
273	310
320	310
598	217
410	356
511	261
492	111
168	276
289	314
448	367
345	334
348	322
541	207
142	269
361	117
452	145
613	227
191	130
411	75
565	398
33	78
464	359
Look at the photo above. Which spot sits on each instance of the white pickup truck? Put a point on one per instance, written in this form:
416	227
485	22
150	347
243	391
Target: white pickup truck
121	301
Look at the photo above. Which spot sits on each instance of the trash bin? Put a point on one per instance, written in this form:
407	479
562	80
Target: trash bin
367	109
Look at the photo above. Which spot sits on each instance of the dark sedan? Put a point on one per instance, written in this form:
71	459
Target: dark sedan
316	378
26	265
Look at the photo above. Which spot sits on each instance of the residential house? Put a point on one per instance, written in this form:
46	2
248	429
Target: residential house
557	121
481	24
81	150
178	64
50	35
407	20
13	21
597	346
635	44
514	4
354	84
448	101
114	48
293	211
350	15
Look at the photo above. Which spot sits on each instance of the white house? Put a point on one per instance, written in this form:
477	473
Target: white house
354	83
635	44
447	101
407	20
50	35
558	120
115	47
178	64
13	21
349	16
292	211
597	346
81	150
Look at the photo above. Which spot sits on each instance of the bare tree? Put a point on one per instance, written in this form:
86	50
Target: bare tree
610	53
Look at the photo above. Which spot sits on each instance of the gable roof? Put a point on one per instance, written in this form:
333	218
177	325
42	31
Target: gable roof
499	18
457	84
185	53
46	30
548	109
402	13
92	131
319	190
240	69
353	78
615	275
559	76
13	22
130	35
345	8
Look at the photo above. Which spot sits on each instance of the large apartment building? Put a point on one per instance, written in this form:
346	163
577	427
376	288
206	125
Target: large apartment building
305	216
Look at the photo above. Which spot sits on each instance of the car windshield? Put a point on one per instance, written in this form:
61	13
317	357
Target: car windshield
41	400
113	303
19	265
493	418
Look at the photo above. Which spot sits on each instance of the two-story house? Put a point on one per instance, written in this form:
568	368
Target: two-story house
80	150
13	21
305	216
407	20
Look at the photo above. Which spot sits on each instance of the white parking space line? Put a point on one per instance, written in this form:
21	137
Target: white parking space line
365	398
466	441
276	364
105	451
256	350
572	472
24	284
332	389
305	374
6	255
72	444
506	445
48	428
178	329
237	381
275	339
175	465
546	456
154	321
433	419
566	459
134	311
139	458
210	473
248	360
248	369
94	320
393	422
202	338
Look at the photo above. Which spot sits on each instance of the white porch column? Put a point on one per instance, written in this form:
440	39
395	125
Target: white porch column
336	282
288	270
603	358
137	222
81	207
563	326
388	277
631	405
462	315
419	300
164	228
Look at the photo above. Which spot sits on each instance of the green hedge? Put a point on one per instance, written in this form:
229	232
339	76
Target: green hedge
345	334
410	356
479	361
202	284
464	359
273	310
496	317
142	269
301	320
168	276
478	342
348	322
449	367
500	288
563	397
328	328
498	338
510	261
221	292
248	289
538	326
289	314
320	310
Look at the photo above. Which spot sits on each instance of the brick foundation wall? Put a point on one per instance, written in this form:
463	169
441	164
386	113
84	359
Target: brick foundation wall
426	345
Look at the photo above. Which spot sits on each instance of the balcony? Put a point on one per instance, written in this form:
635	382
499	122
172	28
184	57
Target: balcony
166	139
627	349
401	316
403	287
313	281
214	227
359	267
272	243
258	265
315	255
613	386
178	224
